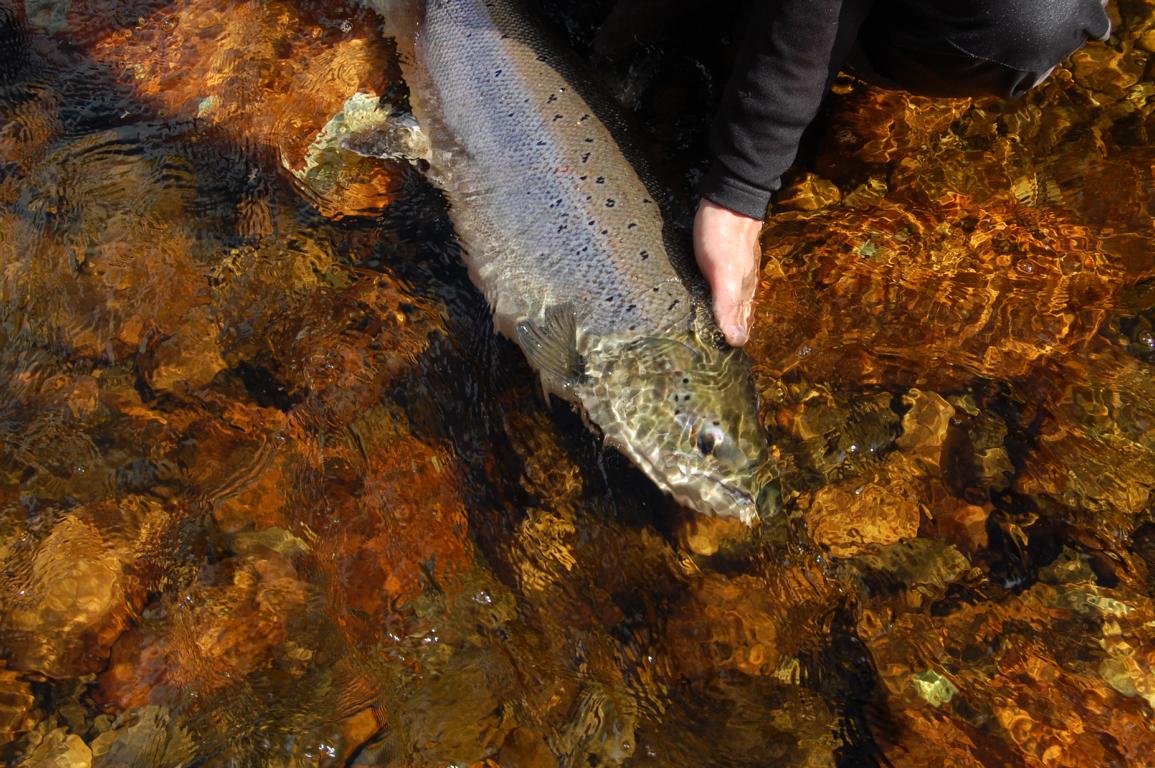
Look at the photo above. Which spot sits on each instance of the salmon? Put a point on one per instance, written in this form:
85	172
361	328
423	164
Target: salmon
573	243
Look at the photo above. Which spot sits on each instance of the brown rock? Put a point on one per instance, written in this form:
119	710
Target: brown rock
525	749
264	82
1100	416
60	749
191	358
745	623
1008	677
704	535
881	508
69	602
925	296
17	706
924	428
219	634
404	528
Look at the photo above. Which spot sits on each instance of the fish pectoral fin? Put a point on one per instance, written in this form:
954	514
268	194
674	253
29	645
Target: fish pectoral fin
397	137
552	348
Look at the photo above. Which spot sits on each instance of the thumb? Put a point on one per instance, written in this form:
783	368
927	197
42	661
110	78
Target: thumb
733	300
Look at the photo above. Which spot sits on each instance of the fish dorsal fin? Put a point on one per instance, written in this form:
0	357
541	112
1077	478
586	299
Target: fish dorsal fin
552	348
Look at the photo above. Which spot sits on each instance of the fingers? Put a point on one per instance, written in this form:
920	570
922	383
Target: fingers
733	291
732	311
726	248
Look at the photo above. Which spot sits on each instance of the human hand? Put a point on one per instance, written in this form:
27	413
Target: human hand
726	247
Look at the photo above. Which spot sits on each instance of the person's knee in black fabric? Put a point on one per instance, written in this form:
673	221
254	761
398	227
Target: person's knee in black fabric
977	47
1033	36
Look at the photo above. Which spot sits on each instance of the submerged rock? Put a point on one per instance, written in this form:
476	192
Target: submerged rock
59	749
17	707
68	601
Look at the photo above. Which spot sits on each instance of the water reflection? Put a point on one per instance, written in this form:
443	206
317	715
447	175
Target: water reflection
272	494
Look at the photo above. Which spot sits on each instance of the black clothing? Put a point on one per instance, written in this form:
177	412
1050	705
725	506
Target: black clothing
794	49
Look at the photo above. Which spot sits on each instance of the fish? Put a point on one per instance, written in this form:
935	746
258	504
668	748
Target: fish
577	249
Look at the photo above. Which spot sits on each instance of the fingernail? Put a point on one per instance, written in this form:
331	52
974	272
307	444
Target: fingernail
736	335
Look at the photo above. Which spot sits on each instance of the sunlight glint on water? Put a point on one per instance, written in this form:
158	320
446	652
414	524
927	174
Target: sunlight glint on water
272	494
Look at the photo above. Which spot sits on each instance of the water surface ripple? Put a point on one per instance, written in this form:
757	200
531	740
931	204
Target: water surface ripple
272	494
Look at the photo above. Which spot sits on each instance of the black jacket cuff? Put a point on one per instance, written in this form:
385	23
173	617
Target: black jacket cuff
722	188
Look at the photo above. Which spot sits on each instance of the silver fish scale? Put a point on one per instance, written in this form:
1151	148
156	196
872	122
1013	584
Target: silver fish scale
548	206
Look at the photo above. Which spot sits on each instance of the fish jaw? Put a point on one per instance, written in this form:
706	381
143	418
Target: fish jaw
685	412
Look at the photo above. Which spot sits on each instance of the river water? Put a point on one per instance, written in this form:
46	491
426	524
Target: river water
272	493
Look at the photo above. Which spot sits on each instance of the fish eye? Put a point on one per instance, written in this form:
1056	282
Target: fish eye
709	439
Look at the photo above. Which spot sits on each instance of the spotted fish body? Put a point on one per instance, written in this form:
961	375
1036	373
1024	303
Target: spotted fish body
566	235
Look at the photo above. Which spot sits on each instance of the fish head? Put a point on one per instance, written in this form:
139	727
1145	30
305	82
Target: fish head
684	410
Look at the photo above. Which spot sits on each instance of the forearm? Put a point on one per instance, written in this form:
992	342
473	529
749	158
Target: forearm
787	61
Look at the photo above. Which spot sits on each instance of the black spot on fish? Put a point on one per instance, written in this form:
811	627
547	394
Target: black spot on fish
561	227
591	222
552	98
673	304
586	157
632	225
646	200
497	73
600	180
510	115
541	143
645	255
685	380
582	178
556	118
609	202
605	231
589	140
631	308
609	298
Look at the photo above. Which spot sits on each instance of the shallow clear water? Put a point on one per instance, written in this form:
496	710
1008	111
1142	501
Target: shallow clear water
271	493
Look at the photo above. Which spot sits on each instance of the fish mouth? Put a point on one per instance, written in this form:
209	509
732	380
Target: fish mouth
702	492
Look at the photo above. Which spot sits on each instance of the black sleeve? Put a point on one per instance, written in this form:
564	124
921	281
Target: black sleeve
790	55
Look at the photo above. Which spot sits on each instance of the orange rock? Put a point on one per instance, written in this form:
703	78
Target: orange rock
1100	413
924	295
215	637
744	623
403	530
523	748
356	730
261	502
70	600
1018	685
961	524
263	76
17	706
704	535
881	508
924	428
